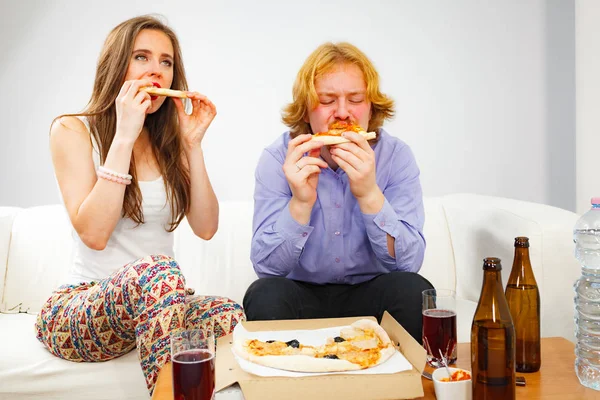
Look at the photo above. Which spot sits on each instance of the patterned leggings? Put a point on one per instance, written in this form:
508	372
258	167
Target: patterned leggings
138	306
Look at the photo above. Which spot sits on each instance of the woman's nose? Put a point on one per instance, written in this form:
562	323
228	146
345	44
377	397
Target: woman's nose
155	69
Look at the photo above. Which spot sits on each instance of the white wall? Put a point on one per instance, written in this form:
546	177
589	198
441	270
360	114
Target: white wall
588	102
471	80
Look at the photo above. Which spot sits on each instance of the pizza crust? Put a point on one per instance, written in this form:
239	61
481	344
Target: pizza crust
153	90
331	140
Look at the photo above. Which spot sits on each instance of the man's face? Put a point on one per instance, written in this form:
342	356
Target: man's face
342	95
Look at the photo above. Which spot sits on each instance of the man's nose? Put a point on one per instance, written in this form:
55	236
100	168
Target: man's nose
341	112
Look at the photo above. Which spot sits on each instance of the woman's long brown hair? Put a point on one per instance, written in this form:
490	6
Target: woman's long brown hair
163	125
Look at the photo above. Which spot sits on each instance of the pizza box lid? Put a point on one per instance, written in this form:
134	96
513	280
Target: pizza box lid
401	385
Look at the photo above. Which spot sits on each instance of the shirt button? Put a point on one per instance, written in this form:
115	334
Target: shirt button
337	233
337	259
338	205
382	223
304	234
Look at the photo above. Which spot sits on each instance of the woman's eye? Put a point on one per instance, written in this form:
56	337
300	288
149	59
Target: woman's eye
141	57
356	101
168	63
326	102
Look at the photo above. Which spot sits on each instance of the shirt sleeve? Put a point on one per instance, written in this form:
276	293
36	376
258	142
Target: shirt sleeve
402	216
277	239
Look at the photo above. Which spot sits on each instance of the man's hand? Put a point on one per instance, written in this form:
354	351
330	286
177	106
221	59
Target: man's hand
302	173
357	159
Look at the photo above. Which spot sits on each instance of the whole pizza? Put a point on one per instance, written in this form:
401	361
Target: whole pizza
364	344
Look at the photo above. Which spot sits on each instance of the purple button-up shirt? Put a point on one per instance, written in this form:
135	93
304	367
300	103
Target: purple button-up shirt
340	244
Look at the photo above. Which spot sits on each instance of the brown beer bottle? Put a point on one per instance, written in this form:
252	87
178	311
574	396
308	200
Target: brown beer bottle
523	299
493	339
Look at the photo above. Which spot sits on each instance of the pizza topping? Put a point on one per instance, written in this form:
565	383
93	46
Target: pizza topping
331	356
366	344
350	333
276	348
338	339
336	128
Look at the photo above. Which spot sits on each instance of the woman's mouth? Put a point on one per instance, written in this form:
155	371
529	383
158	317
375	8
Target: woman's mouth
156	84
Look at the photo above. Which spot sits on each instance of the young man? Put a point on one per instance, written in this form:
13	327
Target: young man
337	229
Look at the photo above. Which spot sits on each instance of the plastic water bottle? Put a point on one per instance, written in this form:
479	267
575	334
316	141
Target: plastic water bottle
586	236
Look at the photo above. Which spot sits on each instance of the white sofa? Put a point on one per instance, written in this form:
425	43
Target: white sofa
461	229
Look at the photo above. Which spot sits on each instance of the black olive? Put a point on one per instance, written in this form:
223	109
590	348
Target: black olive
293	343
338	339
331	356
270	341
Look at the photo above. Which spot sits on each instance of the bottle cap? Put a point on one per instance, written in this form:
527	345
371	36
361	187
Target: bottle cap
595	201
522	241
492	264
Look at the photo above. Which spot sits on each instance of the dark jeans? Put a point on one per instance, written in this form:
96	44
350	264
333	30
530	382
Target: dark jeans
398	293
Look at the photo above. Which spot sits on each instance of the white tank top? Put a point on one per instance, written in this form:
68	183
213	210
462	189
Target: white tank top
128	241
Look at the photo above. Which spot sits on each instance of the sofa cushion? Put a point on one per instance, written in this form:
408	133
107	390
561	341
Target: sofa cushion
29	371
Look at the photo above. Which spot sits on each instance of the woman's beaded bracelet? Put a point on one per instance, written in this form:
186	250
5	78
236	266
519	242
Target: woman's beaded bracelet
112	178
114	173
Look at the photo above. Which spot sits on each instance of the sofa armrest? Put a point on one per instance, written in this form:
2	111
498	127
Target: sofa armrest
7	216
484	226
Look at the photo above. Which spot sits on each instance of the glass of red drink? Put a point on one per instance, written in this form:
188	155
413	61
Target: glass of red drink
439	326
193	358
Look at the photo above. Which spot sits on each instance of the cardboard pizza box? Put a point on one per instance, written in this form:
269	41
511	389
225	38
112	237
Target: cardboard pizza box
401	385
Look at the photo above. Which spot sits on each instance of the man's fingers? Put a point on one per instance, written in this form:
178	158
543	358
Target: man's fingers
295	142
308	170
311	161
348	157
305	147
348	169
358	139
354	149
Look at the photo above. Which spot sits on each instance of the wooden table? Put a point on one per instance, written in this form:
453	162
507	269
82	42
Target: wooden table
556	380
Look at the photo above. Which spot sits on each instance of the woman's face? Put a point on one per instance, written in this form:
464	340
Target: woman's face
152	59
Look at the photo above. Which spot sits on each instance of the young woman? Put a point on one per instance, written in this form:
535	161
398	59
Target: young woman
130	168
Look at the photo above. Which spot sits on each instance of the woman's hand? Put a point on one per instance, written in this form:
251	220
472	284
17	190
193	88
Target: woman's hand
194	126
131	106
